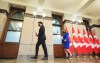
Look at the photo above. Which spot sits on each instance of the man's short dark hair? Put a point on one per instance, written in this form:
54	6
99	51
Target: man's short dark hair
40	22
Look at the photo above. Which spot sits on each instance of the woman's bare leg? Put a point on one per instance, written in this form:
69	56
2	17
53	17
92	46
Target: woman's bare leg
66	53
69	52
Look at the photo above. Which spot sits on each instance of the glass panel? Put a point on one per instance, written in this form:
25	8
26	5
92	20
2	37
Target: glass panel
57	39
56	30
56	21
12	36
17	15
15	25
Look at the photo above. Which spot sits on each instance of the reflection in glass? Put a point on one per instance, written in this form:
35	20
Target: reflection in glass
17	15
55	21
56	30
15	25
57	39
12	36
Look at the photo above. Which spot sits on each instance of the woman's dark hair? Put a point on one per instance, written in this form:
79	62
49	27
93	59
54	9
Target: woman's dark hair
64	21
64	31
40	22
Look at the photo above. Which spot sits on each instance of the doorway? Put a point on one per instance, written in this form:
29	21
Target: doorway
57	33
12	33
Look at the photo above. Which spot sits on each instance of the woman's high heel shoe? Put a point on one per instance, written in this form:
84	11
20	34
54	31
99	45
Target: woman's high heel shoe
66	57
70	56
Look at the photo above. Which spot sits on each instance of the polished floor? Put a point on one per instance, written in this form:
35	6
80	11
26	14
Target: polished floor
82	59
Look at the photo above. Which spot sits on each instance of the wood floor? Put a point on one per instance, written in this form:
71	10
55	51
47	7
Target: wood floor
52	60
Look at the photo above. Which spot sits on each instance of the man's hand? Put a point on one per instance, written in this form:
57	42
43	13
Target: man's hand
36	34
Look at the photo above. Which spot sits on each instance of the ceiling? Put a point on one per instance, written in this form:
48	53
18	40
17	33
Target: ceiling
81	7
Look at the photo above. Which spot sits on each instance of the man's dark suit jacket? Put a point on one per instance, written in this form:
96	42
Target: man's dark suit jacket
41	34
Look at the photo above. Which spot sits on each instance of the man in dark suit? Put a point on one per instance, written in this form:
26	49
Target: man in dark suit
41	41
